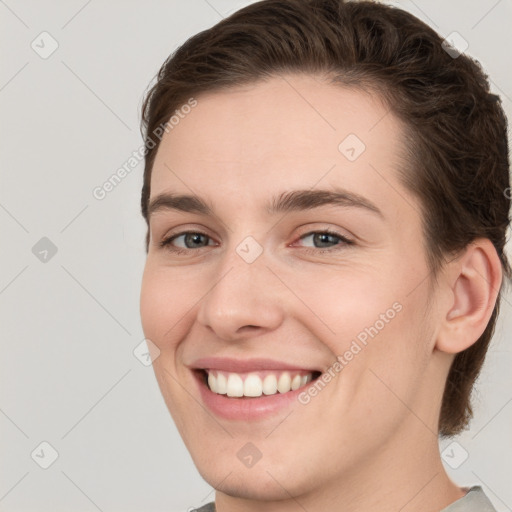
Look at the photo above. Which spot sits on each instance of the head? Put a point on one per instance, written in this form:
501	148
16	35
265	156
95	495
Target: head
322	95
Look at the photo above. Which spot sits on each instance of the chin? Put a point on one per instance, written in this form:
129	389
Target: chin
251	483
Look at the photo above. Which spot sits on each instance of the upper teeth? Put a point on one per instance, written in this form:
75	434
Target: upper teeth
254	384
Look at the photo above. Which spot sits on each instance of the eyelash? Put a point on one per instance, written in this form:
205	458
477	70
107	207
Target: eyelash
166	242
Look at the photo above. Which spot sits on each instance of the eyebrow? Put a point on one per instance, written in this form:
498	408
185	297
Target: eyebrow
294	200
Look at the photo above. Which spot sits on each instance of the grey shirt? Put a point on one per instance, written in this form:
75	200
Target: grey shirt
474	501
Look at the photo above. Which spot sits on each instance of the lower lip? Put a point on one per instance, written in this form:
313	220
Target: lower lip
245	408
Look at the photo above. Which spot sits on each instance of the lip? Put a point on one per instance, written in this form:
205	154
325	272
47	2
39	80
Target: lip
247	409
228	364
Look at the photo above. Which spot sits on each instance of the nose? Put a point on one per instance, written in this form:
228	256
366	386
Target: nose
245	299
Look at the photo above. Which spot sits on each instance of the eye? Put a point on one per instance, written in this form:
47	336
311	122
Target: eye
324	237
191	240
323	241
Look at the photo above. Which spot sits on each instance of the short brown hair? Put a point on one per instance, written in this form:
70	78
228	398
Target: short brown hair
456	142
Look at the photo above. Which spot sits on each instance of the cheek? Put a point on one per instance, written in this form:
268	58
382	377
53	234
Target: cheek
166	298
347	305
369	319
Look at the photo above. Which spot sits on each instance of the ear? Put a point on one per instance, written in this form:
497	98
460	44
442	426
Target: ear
474	281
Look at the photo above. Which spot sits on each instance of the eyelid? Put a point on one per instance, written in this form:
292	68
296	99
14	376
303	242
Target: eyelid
335	231
344	240
182	230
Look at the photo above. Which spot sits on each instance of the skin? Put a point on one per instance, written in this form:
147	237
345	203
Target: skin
368	441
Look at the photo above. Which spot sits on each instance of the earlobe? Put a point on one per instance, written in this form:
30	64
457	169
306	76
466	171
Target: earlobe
475	280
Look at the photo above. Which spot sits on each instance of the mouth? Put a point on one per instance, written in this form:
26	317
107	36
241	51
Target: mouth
255	384
250	390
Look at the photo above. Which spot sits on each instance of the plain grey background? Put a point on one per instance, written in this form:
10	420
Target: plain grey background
70	319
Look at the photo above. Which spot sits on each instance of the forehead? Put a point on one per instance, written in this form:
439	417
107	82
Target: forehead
290	131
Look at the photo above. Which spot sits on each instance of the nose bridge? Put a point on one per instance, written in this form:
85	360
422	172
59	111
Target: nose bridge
244	293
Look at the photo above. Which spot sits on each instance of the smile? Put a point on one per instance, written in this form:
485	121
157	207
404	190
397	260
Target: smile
250	389
256	384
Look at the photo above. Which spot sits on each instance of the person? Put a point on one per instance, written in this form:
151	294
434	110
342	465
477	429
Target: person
325	194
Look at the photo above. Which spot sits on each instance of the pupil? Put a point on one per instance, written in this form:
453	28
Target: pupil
194	237
323	238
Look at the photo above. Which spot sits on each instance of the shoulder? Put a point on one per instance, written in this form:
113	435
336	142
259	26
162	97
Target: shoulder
475	500
209	507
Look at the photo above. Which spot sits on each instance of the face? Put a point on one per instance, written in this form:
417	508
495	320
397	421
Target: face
297	277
